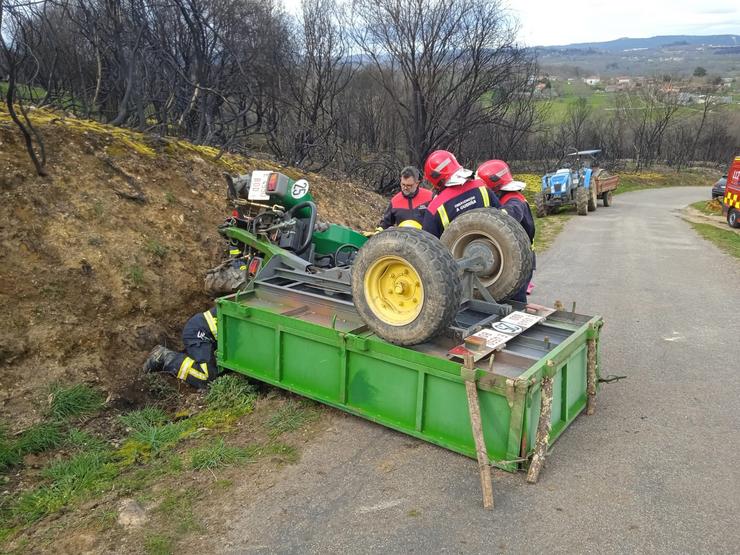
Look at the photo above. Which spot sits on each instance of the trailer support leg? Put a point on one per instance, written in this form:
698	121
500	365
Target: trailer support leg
475	420
543	431
591	376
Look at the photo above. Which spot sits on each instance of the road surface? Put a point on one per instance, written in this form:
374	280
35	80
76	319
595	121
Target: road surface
655	470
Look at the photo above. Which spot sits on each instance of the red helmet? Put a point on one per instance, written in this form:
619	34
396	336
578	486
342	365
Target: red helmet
440	166
495	174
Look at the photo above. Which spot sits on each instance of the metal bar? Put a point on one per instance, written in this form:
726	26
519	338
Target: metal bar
314	279
420	401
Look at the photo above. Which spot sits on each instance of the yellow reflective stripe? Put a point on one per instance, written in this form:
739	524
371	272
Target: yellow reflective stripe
484	194
187	368
184	367
234	251
211	321
410	223
443	215
197	374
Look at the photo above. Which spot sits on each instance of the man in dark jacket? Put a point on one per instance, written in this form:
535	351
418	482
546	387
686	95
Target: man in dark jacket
407	206
458	191
197	365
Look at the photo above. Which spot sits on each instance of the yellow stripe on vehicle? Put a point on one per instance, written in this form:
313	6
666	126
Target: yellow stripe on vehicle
442	211
211	321
484	194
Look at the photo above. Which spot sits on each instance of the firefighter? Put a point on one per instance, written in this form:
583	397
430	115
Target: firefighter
497	175
406	208
197	365
458	191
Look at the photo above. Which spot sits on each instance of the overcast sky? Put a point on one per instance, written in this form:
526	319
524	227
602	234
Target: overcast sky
548	22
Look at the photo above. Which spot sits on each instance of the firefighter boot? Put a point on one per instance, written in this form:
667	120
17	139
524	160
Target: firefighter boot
159	359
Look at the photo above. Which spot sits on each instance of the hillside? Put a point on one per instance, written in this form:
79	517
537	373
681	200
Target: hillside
661	41
105	257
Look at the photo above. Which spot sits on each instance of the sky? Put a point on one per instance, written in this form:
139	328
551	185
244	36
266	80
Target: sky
549	22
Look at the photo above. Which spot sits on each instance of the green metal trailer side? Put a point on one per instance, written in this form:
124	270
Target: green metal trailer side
323	351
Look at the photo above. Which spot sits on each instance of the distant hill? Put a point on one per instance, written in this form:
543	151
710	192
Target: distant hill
662	41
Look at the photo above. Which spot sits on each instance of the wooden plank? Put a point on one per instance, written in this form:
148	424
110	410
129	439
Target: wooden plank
543	431
480	447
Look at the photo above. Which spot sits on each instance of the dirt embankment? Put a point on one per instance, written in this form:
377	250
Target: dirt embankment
105	257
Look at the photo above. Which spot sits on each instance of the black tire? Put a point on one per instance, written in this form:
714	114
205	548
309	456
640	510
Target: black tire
512	262
592	198
438	274
607	198
539	205
732	218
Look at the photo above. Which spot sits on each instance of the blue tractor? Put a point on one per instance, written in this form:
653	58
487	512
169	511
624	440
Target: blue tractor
571	185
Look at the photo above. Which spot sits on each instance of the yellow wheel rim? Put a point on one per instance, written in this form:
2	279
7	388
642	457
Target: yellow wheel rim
393	290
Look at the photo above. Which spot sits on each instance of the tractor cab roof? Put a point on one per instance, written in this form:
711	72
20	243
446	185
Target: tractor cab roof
584	153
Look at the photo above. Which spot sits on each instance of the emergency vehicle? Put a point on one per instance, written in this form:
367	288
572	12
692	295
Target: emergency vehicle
731	200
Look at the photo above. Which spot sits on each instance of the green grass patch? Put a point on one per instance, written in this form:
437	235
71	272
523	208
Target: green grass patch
231	392
151	440
135	274
727	240
67	481
155	248
218	454
40	437
293	415
158	544
708	207
75	400
83	441
144	418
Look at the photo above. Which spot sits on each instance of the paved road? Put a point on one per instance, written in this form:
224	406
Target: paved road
655	470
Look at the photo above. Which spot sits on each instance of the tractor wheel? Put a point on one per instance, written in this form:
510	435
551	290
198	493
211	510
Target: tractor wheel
592	198
607	198
539	205
500	240
582	201
732	218
406	286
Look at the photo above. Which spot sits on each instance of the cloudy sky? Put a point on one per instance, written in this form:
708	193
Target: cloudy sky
547	22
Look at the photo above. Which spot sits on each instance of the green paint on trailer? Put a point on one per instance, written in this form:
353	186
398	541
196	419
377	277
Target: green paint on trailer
403	388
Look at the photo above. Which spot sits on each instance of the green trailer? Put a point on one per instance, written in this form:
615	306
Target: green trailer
404	329
321	349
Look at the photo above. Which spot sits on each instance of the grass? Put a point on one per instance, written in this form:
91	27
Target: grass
67	481
156	248
136	275
708	207
292	416
231	392
158	544
78	440
727	240
75	400
142	419
91	467
40	437
151	439
218	454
